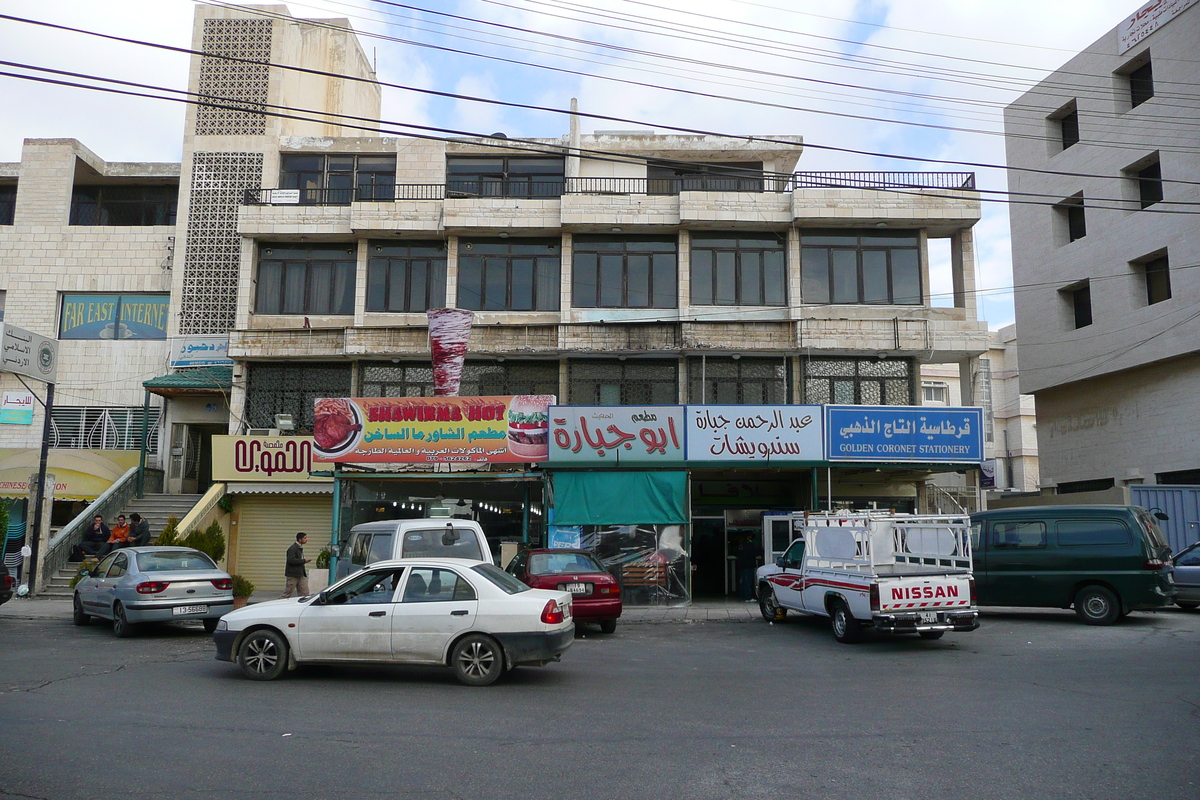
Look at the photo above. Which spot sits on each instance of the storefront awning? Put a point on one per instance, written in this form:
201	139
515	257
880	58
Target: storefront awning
263	487
192	381
620	498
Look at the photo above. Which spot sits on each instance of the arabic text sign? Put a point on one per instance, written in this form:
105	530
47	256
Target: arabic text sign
904	433
615	435
263	458
27	353
16	408
432	429
200	351
1146	20
754	433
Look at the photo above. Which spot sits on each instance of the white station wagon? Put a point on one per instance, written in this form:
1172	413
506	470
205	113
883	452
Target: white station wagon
468	615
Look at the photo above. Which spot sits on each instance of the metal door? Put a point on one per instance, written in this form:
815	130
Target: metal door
1180	503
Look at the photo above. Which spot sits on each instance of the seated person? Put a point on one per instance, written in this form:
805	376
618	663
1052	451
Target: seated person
139	531
94	539
117	538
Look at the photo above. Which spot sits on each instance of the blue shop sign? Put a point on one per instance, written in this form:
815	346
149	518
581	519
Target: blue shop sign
904	433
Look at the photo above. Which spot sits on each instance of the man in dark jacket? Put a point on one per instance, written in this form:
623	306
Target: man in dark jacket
94	538
294	569
139	531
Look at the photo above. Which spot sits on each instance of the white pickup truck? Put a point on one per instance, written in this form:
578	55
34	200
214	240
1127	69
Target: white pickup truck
898	573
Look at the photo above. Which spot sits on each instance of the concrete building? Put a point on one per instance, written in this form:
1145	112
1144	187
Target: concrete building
1103	163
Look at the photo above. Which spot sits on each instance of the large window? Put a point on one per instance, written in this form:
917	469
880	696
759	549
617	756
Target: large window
721	176
498	176
509	274
1149	182
844	267
1066	119
623	383
305	280
339	180
624	272
1079	302
124	205
1071	219
479	379
102	428
1156	273
114	316
753	381
292	389
406	277
8	203
1141	84
859	381
730	269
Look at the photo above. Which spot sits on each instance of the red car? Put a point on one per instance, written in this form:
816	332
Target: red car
596	595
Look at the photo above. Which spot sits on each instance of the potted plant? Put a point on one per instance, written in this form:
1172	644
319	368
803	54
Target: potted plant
242	589
318	576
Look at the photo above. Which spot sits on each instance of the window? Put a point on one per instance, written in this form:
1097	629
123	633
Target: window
3	295
8	203
1079	299
1091	532
509	274
622	383
1071	218
501	579
367	588
432	585
1075	487
479	379
305	280
408	277
1141	85
512	176
117	204
737	270
381	548
1149	180
119	566
114	316
858	381
1018	535
983	396
752	381
100	428
1181	477
292	389
1157	275
935	393
629	272
1067	121
338	180
720	176
861	267
396	380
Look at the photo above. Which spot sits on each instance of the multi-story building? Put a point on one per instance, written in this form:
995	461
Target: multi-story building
1104	173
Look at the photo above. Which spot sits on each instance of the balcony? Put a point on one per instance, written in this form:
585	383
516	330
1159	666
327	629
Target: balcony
962	181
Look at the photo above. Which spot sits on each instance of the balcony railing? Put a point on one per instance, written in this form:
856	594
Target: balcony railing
884	180
384	193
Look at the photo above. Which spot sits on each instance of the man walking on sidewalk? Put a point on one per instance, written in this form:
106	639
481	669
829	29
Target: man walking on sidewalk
294	570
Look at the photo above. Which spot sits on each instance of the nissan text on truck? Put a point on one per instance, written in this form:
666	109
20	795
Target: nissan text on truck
897	573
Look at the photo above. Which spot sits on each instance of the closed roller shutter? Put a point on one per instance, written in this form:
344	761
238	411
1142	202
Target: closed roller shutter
267	526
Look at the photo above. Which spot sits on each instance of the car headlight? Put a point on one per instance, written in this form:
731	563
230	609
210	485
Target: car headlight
222	625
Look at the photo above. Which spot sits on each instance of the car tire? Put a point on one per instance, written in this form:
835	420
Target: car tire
608	626
846	628
477	660
1187	605
931	634
210	625
767	606
122	627
1096	605
263	655
77	615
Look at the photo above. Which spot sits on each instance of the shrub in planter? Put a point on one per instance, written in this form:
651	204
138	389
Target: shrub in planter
170	532
322	561
242	589
210	541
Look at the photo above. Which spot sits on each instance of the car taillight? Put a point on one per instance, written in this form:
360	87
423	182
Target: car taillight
552	614
223	583
1154	563
971	584
611	588
874	596
152	587
9	581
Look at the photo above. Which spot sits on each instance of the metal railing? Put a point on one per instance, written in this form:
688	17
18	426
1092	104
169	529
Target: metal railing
107	505
385	193
884	180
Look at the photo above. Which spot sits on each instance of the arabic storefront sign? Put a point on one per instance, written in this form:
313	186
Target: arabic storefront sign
615	435
1146	20
200	351
754	433
16	408
904	433
27	353
432	429
263	459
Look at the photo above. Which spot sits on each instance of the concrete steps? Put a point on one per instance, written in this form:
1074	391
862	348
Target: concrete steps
156	508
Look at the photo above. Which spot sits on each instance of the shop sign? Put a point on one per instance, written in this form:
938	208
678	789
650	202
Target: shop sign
904	433
28	353
16	408
200	351
615	435
79	474
754	433
263	459
432	429
1146	20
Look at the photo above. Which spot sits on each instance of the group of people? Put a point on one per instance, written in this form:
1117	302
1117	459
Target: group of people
99	540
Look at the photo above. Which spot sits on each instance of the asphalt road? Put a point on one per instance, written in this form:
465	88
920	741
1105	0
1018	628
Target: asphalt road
1032	705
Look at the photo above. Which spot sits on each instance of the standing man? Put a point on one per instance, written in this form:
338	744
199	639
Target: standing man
294	569
747	562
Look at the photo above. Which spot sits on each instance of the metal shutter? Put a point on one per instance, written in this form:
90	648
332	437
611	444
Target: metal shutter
267	526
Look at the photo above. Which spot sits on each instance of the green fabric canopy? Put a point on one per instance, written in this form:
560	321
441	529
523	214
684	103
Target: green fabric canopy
620	498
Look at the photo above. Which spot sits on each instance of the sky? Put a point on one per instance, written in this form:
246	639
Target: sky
920	78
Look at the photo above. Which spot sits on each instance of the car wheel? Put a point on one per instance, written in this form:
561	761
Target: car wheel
122	627
770	610
608	626
1187	605
845	627
931	634
1096	605
477	660
77	615
210	625
263	655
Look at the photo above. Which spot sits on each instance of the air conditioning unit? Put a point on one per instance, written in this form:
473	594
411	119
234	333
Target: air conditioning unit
263	432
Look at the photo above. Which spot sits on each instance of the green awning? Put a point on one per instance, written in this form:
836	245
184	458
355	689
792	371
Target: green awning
619	498
194	380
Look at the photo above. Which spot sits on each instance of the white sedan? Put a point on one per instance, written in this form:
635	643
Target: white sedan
468	615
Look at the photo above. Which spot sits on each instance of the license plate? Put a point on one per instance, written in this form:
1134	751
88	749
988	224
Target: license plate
929	616
179	610
577	588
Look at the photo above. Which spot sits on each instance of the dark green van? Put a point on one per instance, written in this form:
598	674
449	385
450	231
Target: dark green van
1104	560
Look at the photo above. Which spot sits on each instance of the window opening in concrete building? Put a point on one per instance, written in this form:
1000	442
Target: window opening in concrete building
624	272
406	277
1067	121
479	379
3	295
858	381
102	428
623	383
719	176
731	269
983	396
935	393
1071	218
123	204
8	203
509	274
1184	477
114	316
291	389
339	179
1094	485
861	267
753	381
1141	84
1149	182
1157	275
306	280
1079	297
501	176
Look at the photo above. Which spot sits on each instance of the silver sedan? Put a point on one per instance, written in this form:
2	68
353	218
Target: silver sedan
154	584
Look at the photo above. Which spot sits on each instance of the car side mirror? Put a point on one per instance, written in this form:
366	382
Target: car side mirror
1161	515
779	562
322	598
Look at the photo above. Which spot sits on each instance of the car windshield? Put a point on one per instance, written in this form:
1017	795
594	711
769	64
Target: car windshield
507	583
558	563
1157	538
444	542
164	560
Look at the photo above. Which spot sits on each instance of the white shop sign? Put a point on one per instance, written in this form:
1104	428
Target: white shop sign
755	433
